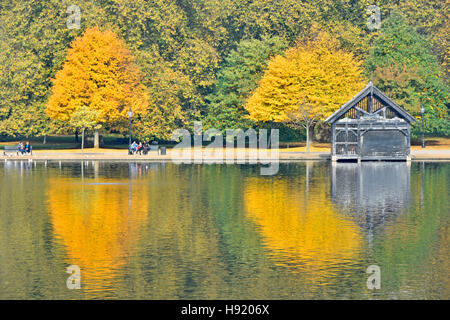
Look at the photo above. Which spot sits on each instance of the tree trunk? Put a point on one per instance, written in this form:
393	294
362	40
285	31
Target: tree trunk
76	136
82	141
45	139
307	138
308	163
96	139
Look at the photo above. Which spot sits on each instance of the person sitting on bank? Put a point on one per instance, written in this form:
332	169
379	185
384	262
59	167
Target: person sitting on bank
139	148
21	148
28	147
133	147
145	148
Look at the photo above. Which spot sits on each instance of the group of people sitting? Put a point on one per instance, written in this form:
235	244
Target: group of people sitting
24	147
141	148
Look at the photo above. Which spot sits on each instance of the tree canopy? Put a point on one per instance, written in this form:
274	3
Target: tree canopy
236	80
315	72
404	67
187	51
99	73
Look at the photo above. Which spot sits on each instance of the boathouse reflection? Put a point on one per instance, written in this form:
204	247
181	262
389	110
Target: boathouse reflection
372	193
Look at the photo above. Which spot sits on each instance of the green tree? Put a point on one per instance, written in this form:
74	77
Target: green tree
430	19
84	119
237	78
404	66
173	99
176	45
32	45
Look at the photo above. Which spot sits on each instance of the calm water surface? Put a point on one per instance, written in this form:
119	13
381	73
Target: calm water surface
166	231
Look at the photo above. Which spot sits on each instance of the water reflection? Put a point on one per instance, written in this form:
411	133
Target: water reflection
302	230
162	231
98	220
372	193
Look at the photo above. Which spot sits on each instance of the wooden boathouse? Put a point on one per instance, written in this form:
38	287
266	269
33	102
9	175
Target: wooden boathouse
370	127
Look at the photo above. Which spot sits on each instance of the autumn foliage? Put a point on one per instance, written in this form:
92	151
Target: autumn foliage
202	59
315	72
99	73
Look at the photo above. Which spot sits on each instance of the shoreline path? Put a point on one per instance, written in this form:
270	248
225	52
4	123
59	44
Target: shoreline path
121	155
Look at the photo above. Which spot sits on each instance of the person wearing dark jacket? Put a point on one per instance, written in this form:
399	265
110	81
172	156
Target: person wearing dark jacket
28	147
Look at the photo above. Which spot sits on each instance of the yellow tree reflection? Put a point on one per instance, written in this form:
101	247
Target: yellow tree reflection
301	229
98	221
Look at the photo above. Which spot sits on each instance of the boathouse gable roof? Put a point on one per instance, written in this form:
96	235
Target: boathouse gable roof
370	90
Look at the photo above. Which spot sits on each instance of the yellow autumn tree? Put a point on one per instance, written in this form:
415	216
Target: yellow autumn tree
100	74
306	84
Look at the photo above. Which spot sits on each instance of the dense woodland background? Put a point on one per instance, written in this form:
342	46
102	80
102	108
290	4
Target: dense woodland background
202	59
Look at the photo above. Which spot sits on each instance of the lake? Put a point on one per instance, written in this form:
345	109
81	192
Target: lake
166	231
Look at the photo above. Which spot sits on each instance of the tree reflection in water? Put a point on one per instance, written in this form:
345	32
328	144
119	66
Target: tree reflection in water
302	230
98	219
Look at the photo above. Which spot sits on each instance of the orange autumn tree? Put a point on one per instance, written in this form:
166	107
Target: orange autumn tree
306	84
100	74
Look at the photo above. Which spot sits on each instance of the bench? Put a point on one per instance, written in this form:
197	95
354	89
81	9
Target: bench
10	149
13	149
145	150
